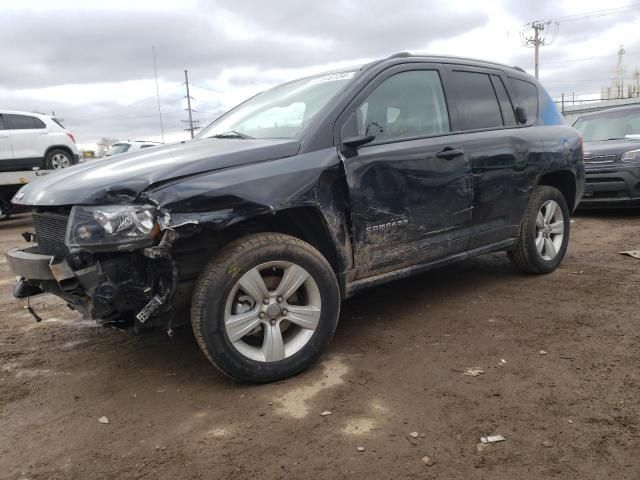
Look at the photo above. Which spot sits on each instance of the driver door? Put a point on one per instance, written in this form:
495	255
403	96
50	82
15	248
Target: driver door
410	188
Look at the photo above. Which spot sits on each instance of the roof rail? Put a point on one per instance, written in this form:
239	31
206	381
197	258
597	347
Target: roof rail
400	55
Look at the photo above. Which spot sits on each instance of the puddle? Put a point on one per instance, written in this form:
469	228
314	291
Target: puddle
20	372
362	425
296	402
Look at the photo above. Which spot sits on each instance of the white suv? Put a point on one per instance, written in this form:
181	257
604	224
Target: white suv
128	147
29	140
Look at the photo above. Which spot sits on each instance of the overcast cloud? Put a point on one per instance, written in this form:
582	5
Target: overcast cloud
91	62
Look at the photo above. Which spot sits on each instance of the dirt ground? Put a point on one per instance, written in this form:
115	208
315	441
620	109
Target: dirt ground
395	367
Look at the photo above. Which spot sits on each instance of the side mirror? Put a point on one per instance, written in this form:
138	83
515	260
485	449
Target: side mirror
355	142
521	115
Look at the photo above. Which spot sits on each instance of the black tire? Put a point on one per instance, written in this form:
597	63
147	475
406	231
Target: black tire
49	159
5	210
216	283
526	256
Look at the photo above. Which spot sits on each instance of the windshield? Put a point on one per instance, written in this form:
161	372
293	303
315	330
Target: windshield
281	112
118	148
609	126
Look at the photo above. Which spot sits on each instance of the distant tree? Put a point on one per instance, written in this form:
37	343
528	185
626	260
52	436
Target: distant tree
104	145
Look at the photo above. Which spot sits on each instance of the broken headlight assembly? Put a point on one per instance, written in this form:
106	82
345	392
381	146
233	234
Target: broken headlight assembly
112	227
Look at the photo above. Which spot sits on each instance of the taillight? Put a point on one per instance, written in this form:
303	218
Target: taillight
70	135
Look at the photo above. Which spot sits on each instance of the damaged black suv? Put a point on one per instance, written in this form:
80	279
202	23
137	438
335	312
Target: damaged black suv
301	196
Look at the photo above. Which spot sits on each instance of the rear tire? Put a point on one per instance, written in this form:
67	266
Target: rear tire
544	232
265	307
57	159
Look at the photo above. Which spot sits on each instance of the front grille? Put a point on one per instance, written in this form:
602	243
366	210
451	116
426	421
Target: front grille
600	159
51	230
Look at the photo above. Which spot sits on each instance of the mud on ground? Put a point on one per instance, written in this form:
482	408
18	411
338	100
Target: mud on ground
395	367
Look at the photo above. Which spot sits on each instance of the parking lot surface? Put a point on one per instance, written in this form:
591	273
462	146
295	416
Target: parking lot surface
559	355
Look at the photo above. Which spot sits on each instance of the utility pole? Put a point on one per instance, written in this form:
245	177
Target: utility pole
191	121
539	38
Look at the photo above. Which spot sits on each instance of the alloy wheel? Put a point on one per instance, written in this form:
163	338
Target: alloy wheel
272	311
549	229
59	160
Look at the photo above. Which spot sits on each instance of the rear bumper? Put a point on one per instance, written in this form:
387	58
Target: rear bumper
610	186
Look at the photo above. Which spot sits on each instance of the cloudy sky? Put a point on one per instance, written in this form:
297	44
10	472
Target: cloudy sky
91	61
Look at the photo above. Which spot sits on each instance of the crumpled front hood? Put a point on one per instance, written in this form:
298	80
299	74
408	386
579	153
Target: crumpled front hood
122	178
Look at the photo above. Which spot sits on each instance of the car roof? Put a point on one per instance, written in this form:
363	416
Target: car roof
18	112
445	59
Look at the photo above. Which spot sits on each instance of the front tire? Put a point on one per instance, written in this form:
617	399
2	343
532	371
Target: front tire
544	233
57	159
265	307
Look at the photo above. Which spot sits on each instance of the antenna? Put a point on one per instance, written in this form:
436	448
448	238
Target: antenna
155	71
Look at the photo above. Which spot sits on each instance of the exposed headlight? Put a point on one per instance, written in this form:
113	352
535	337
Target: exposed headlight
631	157
111	227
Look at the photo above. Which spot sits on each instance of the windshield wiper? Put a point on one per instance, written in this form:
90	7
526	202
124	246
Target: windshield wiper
232	134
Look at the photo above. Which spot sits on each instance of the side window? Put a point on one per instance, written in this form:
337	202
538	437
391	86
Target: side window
37	123
527	97
19	122
506	107
406	105
477	100
2	122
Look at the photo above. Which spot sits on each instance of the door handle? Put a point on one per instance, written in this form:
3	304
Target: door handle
4	136
449	153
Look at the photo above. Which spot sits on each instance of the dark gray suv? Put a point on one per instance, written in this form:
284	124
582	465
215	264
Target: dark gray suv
304	195
611	157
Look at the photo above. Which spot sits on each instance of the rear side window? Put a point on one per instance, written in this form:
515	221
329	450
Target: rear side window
408	104
58	122
22	122
477	100
506	107
527	97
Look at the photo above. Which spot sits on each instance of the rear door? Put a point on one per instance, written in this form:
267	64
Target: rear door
410	187
498	149
6	146
26	132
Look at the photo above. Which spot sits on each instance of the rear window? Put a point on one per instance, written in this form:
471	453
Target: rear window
527	94
58	122
21	122
477	100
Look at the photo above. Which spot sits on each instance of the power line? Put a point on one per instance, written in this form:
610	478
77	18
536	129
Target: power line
205	88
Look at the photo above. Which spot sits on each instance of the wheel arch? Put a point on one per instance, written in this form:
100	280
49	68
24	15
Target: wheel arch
565	182
307	222
57	147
